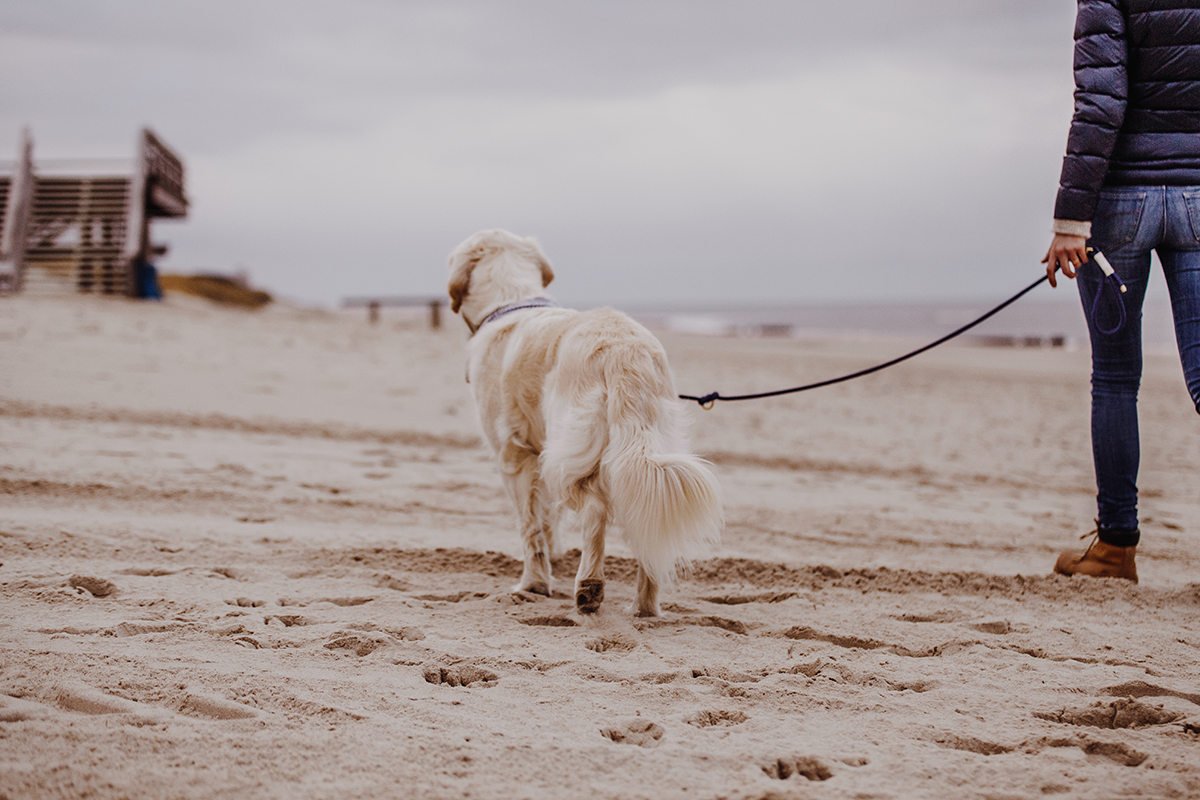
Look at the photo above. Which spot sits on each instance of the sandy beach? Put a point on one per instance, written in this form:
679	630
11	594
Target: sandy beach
266	555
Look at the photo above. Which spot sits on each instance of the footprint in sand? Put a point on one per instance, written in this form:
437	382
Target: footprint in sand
142	627
970	744
1116	752
716	717
86	700
518	598
1123	713
202	705
97	587
360	644
606	644
731	625
344	602
741	599
83	699
461	675
456	597
246	602
148	572
724	674
937	616
550	622
1143	689
641	732
807	767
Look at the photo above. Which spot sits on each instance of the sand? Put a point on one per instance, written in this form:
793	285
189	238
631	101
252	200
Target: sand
265	554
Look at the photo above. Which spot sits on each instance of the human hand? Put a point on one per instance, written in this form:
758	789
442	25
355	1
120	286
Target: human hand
1066	252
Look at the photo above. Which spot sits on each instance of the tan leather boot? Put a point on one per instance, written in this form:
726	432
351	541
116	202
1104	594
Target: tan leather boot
1100	560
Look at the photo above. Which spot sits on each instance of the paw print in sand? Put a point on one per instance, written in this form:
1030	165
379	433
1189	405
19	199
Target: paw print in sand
641	732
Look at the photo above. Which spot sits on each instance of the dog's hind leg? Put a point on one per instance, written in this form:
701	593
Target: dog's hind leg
589	581
535	577
520	469
646	604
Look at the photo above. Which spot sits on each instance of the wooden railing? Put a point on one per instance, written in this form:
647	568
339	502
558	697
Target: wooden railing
374	304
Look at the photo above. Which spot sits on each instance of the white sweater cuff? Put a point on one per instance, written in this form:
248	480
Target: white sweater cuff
1072	227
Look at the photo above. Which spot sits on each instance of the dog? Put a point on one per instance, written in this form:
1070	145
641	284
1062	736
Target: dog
580	411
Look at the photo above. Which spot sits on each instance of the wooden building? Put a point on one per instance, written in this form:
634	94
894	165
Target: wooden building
83	225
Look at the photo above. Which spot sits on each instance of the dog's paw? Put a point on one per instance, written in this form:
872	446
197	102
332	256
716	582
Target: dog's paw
529	594
646	610
537	587
589	595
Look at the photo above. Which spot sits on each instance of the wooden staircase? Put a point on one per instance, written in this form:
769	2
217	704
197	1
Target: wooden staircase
86	231
77	233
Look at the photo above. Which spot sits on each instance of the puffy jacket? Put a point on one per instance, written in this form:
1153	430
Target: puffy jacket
1137	100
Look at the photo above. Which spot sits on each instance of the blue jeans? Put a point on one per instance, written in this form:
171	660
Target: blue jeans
1131	221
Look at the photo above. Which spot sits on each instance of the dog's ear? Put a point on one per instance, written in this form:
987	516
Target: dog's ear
542	262
462	264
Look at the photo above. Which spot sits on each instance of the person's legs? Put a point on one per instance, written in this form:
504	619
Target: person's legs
1116	378
1127	226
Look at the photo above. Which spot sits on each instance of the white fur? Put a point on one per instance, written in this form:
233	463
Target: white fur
580	410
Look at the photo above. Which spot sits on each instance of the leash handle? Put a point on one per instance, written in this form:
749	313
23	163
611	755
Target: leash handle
1113	281
1107	268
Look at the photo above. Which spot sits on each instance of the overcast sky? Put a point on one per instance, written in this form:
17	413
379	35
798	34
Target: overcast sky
663	151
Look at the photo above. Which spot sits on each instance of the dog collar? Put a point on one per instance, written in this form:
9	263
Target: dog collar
533	302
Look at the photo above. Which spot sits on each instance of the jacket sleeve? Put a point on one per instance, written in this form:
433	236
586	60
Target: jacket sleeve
1101	94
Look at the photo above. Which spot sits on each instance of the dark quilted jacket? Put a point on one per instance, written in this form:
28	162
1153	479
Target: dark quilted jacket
1137	100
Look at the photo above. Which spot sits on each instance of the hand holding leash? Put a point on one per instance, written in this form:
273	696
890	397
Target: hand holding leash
1067	253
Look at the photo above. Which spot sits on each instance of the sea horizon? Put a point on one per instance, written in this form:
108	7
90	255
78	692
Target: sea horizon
1045	323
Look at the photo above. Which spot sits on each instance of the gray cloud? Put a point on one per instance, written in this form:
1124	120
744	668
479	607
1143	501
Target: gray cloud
773	149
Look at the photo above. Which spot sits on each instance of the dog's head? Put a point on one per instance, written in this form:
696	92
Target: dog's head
494	268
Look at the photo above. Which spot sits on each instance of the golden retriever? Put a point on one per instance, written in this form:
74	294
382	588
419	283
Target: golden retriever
580	410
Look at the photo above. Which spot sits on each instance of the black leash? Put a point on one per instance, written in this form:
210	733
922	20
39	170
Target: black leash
708	400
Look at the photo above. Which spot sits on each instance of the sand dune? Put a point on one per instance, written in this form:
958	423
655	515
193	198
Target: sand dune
264	554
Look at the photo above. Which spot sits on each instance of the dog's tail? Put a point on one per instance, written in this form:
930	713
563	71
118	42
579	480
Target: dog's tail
667	499
623	439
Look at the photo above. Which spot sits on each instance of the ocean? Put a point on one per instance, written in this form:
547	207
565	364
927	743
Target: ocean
1026	323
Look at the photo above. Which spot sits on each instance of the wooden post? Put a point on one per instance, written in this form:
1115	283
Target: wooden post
435	314
373	311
